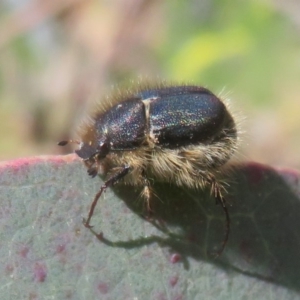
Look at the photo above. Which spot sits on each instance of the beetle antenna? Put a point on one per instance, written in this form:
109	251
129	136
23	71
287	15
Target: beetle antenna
64	143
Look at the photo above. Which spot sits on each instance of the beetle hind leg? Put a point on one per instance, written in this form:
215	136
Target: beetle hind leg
216	190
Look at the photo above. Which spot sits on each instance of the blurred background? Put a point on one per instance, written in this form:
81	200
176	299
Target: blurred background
57	57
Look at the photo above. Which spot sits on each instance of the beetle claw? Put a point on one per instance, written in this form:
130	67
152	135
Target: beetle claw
87	225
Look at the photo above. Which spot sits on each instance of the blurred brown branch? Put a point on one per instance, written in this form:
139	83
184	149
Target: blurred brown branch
290	8
30	16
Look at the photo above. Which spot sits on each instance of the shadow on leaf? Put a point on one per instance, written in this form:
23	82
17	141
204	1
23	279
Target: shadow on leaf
264	209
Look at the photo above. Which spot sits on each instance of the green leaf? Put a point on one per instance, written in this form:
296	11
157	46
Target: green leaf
46	252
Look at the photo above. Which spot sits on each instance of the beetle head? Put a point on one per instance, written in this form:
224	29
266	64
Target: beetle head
89	151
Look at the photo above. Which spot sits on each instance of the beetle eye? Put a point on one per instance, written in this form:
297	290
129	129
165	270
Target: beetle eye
103	149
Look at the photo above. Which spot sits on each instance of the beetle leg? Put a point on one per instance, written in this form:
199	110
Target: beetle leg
110	182
147	195
216	191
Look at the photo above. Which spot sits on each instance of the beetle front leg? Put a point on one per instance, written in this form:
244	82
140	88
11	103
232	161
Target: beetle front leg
110	182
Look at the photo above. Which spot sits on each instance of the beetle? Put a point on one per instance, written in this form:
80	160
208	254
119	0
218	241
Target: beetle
181	134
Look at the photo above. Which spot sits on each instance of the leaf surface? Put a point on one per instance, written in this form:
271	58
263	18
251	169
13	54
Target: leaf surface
46	252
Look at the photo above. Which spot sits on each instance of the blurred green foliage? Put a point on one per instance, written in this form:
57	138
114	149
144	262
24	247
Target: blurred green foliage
245	46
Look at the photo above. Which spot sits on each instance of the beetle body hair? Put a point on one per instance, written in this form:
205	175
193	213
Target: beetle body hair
191	166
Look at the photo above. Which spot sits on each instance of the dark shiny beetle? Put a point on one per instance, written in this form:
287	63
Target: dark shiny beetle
177	134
